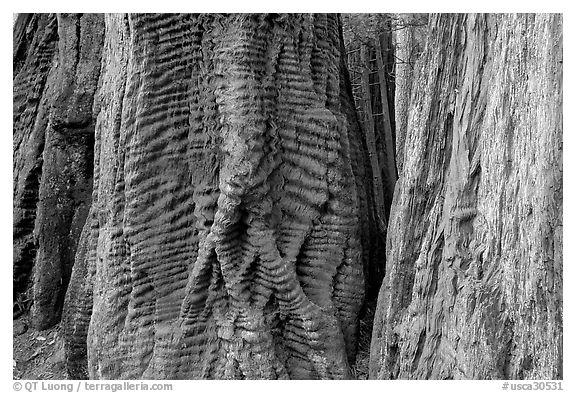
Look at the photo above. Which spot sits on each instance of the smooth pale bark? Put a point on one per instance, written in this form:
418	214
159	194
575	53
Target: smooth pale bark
474	261
224	235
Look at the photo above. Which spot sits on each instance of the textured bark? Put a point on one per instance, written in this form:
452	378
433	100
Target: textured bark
56	62
474	261
378	184
408	42
34	49
387	135
404	74
223	238
66	182
371	237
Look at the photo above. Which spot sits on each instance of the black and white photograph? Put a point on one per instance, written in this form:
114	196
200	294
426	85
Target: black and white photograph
287	196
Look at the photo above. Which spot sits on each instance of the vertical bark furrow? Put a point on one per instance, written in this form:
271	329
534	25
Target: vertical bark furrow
475	268
78	302
66	182
417	195
109	282
33	76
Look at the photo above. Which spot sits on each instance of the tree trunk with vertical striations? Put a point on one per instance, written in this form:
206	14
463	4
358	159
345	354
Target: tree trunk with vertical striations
407	49
66	183
35	45
223	240
56	69
473	287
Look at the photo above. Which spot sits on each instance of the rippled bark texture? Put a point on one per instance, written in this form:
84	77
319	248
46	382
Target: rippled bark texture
474	261
56	63
223	238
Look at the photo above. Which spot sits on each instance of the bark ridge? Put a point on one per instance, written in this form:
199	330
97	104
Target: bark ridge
474	249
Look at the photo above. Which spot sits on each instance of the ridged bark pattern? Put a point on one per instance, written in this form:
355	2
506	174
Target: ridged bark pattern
403	80
223	238
56	70
34	47
474	261
66	183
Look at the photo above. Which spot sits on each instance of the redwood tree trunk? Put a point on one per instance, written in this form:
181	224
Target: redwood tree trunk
34	49
473	287
56	68
404	76
223	238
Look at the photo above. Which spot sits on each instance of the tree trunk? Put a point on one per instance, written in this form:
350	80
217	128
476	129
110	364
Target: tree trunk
387	137
371	234
66	183
408	39
404	76
56	67
34	48
473	287
377	183
223	237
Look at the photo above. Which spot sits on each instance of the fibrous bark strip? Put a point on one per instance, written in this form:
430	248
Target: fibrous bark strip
474	260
